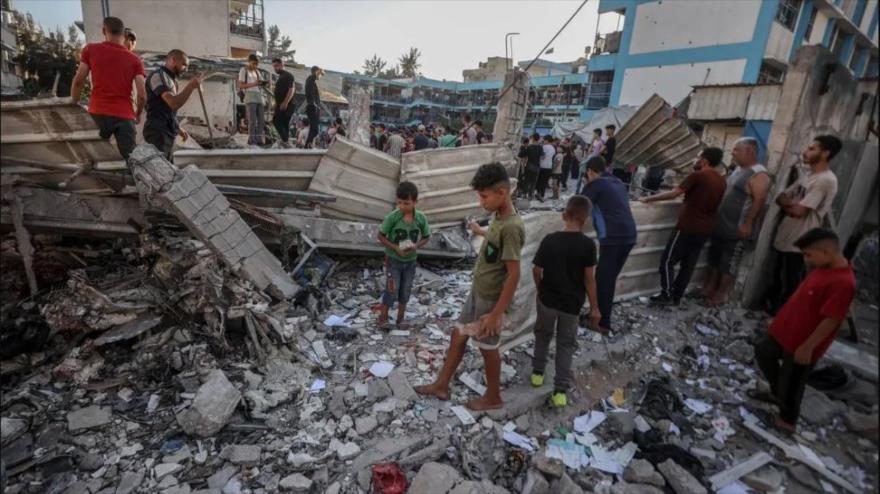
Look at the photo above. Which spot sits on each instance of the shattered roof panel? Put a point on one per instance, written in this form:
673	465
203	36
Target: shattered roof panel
657	136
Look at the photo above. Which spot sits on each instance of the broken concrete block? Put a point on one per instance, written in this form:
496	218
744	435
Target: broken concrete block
550	467
866	425
130	481
565	485
196	202
242	453
88	417
624	488
642	472
766	479
365	425
219	479
434	477
214	403
817	408
345	451
295	483
741	350
11	427
473	487
535	484
400	387
681	481
162	470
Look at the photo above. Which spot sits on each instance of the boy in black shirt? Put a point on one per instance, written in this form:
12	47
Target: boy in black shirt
564	277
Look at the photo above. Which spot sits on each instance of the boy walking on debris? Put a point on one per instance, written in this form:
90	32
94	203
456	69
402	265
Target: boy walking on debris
402	232
806	325
496	275
564	277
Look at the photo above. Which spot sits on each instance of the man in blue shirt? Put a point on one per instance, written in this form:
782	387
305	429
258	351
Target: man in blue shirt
615	228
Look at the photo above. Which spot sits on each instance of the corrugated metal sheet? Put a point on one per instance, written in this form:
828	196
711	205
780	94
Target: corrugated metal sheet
640	275
656	136
443	177
740	102
363	180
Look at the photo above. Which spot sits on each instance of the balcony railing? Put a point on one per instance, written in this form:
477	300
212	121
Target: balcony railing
246	18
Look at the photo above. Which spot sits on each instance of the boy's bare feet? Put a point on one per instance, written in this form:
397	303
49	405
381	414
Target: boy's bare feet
484	403
433	389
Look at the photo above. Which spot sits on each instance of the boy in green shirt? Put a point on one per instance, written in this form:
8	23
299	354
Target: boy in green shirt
402	232
496	275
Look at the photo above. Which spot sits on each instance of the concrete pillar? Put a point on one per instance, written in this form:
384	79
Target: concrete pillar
512	108
358	125
204	210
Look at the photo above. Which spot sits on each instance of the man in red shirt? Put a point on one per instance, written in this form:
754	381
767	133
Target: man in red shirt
113	68
807	324
702	191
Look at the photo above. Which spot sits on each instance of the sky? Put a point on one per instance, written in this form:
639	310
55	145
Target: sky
451	34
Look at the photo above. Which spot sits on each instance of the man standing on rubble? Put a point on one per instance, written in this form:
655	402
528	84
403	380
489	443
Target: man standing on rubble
806	325
251	83
284	89
615	228
163	101
737	222
113	69
702	191
806	205
313	102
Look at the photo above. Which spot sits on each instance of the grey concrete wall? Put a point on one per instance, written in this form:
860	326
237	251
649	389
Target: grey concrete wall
819	96
512	109
443	177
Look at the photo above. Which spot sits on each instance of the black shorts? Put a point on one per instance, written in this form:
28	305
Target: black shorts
725	254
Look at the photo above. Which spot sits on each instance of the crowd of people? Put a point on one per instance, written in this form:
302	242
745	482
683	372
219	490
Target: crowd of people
719	208
813	283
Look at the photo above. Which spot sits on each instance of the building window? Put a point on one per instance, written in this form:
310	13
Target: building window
787	13
872	70
246	18
770	74
809	31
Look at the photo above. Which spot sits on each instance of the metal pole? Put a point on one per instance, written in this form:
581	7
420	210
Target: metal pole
207	118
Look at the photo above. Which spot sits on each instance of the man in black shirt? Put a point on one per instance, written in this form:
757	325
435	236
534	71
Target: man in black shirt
313	101
532	153
563	269
382	138
610	145
284	89
163	101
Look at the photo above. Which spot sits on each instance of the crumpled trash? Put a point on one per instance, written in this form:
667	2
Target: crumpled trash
388	478
661	401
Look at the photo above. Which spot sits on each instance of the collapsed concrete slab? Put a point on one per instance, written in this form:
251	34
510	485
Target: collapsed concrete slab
363	180
196	202
512	109
443	177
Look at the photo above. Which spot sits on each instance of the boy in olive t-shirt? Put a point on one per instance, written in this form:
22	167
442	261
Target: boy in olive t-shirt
402	232
496	275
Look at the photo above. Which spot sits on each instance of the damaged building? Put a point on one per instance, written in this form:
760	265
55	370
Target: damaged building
209	325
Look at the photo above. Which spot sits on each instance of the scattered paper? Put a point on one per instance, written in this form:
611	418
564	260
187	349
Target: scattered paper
587	439
518	440
509	426
335	320
398	332
572	455
381	368
469	381
586	423
317	386
698	406
706	330
153	403
463	415
666	367
642	425
673	429
723	430
613	462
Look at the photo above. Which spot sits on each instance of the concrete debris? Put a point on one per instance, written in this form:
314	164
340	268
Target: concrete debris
681	481
196	202
88	417
767	479
817	408
643	472
212	407
435	477
295	483
565	485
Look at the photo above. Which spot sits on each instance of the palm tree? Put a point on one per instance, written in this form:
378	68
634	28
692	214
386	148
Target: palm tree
409	63
374	67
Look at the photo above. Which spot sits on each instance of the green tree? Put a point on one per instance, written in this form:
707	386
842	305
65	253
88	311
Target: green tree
45	58
374	67
279	45
392	73
409	63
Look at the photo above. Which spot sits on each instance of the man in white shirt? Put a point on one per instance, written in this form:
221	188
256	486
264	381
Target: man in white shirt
546	167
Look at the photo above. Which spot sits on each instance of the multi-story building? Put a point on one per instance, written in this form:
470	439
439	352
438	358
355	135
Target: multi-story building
10	81
223	28
665	47
553	98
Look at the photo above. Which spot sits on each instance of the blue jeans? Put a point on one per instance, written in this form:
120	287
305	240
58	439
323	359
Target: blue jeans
399	279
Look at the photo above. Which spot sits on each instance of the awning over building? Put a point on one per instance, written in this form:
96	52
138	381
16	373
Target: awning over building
738	102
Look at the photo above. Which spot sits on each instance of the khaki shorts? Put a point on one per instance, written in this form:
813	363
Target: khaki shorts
475	308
